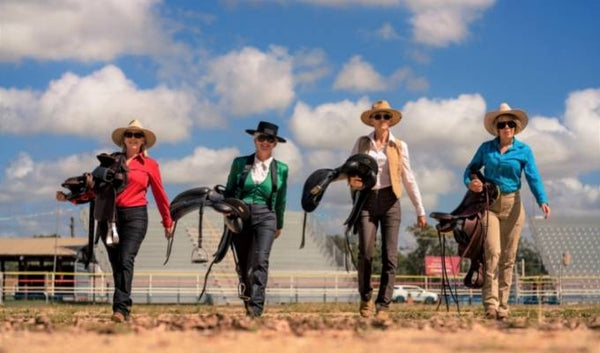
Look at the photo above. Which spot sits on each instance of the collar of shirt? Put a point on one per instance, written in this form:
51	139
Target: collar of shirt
516	144
140	157
262	165
391	138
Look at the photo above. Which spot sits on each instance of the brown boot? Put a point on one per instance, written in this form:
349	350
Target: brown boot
501	315
382	315
366	308
117	317
491	314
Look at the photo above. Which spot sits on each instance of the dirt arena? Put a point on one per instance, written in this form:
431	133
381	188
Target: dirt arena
306	328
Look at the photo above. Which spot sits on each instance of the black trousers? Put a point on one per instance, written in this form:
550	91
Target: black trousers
382	207
132	224
253	247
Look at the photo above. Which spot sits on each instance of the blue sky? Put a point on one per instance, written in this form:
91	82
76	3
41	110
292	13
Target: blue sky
200	72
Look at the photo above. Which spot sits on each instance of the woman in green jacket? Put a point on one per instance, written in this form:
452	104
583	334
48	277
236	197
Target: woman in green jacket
261	182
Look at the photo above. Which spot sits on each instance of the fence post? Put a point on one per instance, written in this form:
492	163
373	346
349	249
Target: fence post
295	287
336	288
149	295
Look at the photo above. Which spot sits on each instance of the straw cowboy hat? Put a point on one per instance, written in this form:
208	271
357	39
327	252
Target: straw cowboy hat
134	125
490	118
267	129
381	106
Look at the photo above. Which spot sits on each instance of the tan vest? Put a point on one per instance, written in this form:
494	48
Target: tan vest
394	157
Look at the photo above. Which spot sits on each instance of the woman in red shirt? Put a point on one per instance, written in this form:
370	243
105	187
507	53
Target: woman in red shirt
131	211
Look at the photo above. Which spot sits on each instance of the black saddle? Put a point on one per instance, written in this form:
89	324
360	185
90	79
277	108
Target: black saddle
360	165
235	213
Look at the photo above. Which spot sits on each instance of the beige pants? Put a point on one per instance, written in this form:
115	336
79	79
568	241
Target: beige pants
504	220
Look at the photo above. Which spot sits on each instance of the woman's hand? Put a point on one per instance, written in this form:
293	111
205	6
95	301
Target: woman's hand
355	182
169	231
277	233
476	185
61	196
422	222
546	210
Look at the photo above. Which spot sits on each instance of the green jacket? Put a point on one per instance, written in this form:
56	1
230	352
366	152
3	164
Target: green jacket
278	198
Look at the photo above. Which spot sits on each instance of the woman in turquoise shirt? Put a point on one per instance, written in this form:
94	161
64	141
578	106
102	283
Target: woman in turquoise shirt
261	182
504	159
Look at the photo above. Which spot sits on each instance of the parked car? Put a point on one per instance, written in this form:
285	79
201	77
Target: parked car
418	294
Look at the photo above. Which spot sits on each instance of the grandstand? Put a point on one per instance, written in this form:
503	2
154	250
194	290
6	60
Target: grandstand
578	237
181	281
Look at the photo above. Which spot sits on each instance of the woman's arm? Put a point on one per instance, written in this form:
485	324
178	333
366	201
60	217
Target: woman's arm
160	196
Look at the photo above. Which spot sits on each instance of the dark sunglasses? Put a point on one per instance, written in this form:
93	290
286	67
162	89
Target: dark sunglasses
262	138
137	135
502	124
381	116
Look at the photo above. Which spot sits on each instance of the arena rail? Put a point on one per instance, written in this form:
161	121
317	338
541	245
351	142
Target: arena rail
284	287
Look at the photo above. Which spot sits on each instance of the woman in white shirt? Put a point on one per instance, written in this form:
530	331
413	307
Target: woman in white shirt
382	206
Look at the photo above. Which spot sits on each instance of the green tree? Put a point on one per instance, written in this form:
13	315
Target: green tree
528	254
340	242
428	243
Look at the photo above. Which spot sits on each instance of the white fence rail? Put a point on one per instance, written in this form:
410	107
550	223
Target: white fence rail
283	287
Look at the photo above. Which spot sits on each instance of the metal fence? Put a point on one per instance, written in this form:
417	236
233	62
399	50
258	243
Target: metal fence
283	287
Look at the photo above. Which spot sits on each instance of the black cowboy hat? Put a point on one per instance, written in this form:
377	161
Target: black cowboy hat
267	129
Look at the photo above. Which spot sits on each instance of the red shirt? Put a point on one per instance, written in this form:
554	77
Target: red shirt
143	172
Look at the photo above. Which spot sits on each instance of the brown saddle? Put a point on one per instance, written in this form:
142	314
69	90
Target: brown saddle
466	225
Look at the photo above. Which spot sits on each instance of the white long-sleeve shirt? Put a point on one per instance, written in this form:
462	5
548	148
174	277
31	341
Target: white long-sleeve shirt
383	174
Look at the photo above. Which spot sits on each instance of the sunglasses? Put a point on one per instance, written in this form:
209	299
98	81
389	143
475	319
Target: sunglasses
502	124
263	138
381	116
137	135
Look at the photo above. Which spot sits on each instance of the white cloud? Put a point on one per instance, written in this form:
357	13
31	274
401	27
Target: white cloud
310	66
448	130
436	23
358	75
94	105
251	81
387	32
570	197
82	30
192	169
29	180
411	81
439	23
572	146
331	125
291	155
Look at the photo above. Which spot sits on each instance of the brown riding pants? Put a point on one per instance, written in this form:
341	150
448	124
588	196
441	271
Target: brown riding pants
504	221
382	207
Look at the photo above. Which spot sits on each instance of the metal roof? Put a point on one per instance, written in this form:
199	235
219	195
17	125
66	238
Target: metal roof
41	246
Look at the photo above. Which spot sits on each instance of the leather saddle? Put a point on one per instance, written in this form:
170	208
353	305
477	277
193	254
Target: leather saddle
361	165
235	213
465	223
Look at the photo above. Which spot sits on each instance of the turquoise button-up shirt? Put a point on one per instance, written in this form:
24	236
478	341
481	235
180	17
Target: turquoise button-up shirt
505	170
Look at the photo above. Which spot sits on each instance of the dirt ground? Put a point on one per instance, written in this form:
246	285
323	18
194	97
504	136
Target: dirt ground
325	328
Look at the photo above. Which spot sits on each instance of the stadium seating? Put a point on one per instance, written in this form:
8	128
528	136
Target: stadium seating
579	237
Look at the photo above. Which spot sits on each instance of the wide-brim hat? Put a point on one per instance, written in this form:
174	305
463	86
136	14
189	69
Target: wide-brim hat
267	129
381	106
490	118
134	125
